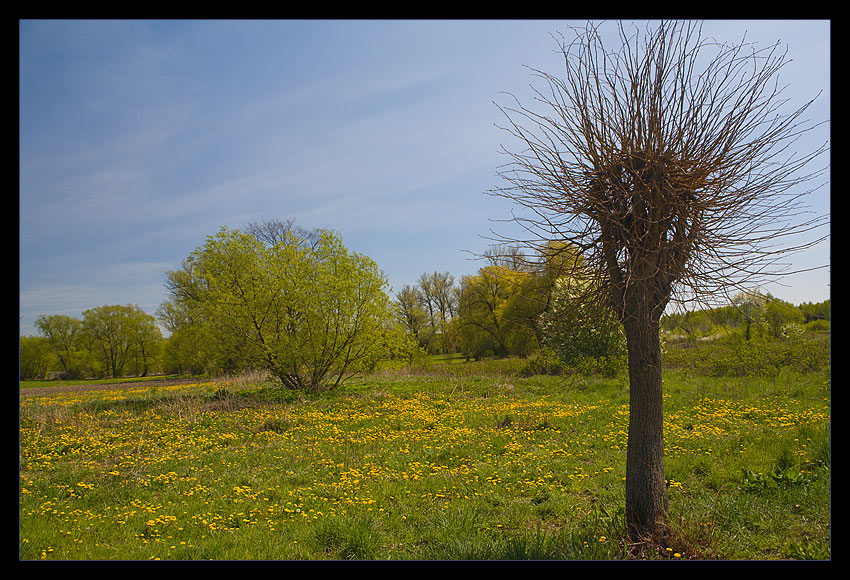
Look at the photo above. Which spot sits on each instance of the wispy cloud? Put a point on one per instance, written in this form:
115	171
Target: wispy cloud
139	283
140	138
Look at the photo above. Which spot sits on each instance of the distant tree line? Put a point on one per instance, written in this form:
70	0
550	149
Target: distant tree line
299	305
515	305
750	316
108	341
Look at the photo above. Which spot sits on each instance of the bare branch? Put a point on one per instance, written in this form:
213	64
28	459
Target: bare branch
669	163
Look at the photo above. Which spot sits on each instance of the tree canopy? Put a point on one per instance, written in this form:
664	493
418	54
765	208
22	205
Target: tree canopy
312	314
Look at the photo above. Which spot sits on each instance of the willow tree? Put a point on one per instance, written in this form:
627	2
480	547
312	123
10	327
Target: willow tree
307	310
665	162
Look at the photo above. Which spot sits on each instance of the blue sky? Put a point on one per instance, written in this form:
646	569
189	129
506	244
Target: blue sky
140	138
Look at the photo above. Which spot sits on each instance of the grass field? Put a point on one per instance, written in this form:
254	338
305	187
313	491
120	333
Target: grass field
458	461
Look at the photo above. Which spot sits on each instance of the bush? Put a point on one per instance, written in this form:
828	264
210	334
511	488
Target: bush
310	312
817	326
548	363
739	358
545	363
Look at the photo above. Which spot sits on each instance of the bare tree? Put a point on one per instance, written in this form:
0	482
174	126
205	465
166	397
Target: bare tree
665	163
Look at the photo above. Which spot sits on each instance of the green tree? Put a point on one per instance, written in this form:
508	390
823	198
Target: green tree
501	309
146	341
816	311
36	357
187	349
119	335
312	314
183	353
413	316
751	307
780	315
63	333
437	299
495	311
574	333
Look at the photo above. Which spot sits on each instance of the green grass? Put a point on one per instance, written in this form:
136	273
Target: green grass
453	461
40	383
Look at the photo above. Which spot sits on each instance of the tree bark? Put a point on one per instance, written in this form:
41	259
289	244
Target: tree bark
646	490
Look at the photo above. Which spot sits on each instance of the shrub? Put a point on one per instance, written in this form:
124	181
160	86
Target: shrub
817	326
739	358
311	313
548	363
545	363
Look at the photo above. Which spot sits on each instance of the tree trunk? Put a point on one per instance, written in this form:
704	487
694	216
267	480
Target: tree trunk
646	491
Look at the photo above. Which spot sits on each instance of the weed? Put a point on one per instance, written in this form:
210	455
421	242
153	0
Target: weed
807	549
774	479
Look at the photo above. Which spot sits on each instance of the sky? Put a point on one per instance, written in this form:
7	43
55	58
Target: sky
139	138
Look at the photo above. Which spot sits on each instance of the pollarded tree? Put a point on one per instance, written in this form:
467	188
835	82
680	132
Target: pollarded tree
665	162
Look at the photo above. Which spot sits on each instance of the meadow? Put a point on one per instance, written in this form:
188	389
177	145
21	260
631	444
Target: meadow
460	461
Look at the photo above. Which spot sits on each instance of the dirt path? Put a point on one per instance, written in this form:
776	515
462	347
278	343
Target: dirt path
101	387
